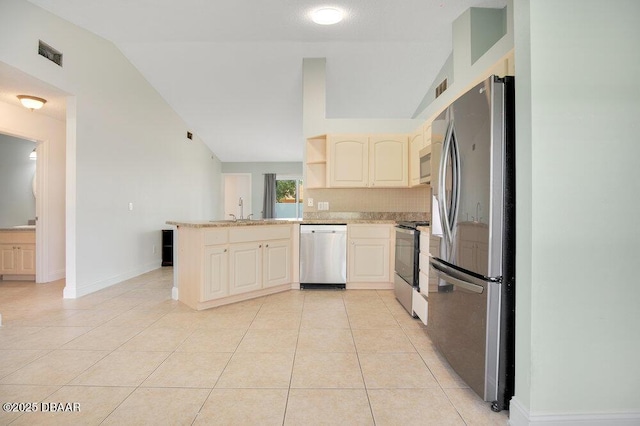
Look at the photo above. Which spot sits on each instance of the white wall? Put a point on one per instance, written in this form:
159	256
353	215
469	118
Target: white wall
17	171
124	145
578	317
257	171
462	73
314	107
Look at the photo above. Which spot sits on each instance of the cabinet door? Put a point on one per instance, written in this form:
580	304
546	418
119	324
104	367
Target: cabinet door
216	273
348	160
7	259
389	161
246	267
416	143
26	259
368	260
276	263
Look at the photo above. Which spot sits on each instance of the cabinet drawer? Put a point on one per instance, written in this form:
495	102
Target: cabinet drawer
259	233
18	237
424	241
424	262
214	237
369	231
423	281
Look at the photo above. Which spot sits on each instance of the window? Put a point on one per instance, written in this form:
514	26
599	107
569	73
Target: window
289	197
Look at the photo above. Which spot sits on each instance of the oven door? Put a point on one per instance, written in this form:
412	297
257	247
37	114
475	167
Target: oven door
405	255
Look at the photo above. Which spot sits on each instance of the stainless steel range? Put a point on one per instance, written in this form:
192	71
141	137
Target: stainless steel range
407	261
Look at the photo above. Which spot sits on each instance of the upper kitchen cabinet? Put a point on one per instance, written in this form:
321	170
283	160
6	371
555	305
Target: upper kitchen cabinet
360	161
388	161
348	160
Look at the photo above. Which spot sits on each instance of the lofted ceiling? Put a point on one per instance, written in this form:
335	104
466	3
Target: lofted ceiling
233	69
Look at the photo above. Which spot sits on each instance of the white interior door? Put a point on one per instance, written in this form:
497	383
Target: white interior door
237	186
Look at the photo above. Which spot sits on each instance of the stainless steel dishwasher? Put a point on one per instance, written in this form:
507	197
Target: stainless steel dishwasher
323	256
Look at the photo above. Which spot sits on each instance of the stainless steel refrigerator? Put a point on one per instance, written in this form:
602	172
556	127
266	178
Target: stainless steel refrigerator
472	246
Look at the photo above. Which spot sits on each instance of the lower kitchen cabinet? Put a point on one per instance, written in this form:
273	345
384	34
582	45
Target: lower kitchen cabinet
216	272
276	263
259	265
217	266
17	253
369	254
246	267
368	260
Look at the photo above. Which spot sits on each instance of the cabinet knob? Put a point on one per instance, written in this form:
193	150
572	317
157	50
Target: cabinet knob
225	250
267	245
260	246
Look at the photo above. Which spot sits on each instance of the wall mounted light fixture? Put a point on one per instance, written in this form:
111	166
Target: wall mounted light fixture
31	102
33	155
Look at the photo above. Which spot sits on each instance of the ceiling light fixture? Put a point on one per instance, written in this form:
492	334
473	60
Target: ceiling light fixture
31	102
327	16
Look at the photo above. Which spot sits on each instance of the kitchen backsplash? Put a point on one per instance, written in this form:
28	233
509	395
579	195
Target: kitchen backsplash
404	200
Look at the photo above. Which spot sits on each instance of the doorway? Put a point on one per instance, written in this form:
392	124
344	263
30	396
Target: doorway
237	195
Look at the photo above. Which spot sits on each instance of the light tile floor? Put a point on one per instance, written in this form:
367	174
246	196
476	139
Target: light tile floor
131	355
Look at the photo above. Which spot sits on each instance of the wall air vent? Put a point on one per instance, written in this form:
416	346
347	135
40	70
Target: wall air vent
49	52
441	88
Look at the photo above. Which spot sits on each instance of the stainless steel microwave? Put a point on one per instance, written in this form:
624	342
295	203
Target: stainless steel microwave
429	163
425	165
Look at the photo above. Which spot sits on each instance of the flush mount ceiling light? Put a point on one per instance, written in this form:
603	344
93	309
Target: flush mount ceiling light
31	102
327	16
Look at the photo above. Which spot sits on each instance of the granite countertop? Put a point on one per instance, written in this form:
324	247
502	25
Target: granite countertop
315	218
230	223
20	228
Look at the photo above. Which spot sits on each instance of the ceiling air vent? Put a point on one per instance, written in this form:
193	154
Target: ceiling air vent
49	52
441	88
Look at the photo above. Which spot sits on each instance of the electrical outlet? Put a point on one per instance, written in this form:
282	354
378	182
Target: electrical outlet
130	206
323	205
310	202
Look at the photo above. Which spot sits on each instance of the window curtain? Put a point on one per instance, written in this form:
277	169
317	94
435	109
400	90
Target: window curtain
269	201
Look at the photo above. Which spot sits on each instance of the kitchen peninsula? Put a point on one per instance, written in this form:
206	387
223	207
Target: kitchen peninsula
223	262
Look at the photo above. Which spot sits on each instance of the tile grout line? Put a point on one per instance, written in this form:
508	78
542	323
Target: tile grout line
364	382
295	353
226	364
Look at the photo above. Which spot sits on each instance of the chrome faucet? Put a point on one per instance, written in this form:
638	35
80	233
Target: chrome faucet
233	216
241	204
249	216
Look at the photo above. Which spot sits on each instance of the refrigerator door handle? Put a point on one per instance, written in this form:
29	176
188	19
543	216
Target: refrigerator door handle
455	164
444	214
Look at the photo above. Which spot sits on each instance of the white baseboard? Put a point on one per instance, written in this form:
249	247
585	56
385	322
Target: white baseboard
174	293
56	275
520	416
369	286
79	291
